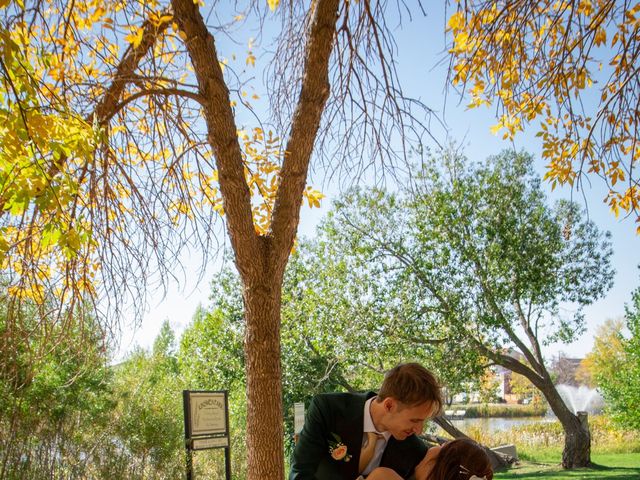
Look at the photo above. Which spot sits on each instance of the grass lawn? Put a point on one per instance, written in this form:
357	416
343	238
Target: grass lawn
618	466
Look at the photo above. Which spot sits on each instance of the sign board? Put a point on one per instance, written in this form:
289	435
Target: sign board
206	425
207	413
298	417
211	442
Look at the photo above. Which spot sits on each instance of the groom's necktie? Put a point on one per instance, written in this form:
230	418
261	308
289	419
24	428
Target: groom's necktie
369	448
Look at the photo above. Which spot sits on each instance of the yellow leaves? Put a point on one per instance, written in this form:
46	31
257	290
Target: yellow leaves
262	158
4	3
585	7
616	174
273	4
33	291
98	14
108	23
456	21
313	196
496	128
461	43
478	87
251	59
135	36
536	60
613	199
159	18
511	123
84	20
600	37
560	171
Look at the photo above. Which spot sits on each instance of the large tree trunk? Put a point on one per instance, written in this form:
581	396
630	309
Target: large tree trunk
577	439
261	260
264	387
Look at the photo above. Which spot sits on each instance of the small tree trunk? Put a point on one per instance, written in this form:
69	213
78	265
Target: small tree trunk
265	430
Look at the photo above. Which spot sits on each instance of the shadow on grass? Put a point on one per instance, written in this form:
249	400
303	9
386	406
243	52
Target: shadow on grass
533	471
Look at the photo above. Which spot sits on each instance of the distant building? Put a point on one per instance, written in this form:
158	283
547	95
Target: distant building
564	370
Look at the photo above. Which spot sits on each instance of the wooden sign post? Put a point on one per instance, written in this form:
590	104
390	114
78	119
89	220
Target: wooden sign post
206	425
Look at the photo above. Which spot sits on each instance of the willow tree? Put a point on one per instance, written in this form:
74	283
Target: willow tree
568	68
123	143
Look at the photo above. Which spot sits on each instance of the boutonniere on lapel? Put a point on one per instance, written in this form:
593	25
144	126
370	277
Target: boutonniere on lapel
337	449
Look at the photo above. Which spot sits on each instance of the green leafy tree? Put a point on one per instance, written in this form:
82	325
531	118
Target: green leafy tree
521	385
145	152
147	430
617	367
607	354
55	397
359	314
211	357
492	262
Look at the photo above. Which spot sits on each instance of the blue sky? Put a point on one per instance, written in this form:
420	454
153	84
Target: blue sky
421	62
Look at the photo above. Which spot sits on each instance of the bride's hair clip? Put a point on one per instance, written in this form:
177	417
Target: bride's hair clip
465	470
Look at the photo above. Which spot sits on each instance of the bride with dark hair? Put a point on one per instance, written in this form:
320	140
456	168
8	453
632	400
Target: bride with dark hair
461	459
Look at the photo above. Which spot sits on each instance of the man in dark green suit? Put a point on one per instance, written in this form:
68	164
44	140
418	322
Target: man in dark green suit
339	426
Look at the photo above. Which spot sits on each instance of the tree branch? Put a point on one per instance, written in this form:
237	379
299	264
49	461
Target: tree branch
526	325
222	134
108	106
511	363
306	121
157	91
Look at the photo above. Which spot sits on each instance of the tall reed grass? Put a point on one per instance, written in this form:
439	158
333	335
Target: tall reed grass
605	436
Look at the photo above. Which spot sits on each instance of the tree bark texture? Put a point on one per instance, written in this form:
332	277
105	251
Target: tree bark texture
261	260
577	439
265	428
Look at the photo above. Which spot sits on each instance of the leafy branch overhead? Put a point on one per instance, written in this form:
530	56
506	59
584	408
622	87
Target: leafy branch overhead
91	128
569	67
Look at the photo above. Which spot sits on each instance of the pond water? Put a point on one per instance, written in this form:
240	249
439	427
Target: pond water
490	425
